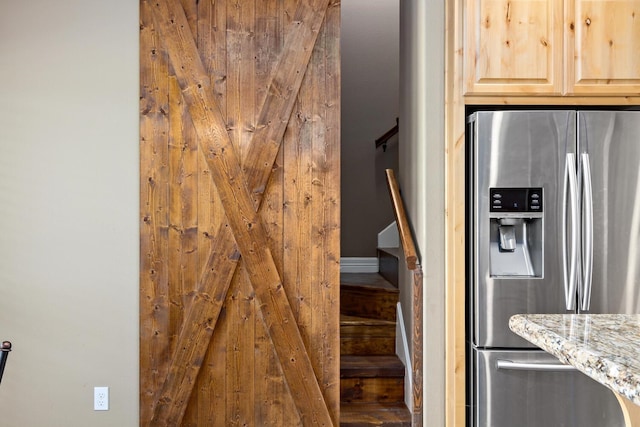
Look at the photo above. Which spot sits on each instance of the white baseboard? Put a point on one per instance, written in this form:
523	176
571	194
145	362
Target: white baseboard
402	350
359	265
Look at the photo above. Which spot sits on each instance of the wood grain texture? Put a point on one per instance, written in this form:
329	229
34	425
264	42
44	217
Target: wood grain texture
362	336
417	346
571	101
375	414
377	389
514	46
283	90
552	48
246	226
404	226
412	262
599	66
603	53
455	385
251	309
274	406
154	218
630	411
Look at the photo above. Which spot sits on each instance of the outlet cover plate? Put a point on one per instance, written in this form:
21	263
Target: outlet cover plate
101	398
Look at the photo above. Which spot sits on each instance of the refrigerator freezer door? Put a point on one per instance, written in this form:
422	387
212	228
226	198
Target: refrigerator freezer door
518	149
524	389
612	140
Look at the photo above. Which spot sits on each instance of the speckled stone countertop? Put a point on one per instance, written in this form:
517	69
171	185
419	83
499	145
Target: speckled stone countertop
606	347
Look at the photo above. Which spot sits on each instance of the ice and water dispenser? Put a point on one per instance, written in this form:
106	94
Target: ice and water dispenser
516	232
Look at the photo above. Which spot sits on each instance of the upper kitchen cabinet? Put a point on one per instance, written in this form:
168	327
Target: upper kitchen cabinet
552	47
513	47
603	47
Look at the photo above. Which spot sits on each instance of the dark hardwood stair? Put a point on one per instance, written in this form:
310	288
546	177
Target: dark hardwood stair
366	336
374	414
368	295
371	375
371	379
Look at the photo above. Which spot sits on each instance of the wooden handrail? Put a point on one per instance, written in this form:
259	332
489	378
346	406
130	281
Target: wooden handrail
387	136
413	264
404	229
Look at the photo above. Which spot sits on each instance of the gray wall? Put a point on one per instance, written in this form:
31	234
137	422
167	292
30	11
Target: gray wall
422	173
370	72
69	211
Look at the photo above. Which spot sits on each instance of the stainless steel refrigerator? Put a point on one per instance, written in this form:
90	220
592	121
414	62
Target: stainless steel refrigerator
554	227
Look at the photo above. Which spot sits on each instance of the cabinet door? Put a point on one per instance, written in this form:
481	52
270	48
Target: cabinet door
603	47
514	47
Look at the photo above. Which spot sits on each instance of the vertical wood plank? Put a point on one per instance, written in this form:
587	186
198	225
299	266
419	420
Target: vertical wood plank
296	221
216	374
240	74
317	185
240	352
211	27
174	203
241	111
183	208
329	262
270	388
290	138
207	405
455	387
212	44
154	224
183	260
275	407
417	347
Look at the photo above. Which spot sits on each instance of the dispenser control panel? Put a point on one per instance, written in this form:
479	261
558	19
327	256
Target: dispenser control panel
515	199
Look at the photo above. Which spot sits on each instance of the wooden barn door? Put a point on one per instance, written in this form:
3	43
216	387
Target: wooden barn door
239	279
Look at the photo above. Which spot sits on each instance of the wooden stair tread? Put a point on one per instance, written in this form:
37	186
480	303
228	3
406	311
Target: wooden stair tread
374	414
371	374
371	366
364	321
362	335
367	280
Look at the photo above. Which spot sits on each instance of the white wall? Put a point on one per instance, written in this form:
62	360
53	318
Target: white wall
69	211
422	174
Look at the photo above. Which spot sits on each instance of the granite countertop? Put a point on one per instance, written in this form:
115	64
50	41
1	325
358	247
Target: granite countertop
605	347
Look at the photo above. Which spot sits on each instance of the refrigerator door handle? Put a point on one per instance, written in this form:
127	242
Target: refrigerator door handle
587	233
532	366
570	272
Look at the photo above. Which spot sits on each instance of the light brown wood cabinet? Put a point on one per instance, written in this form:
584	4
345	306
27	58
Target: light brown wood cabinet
552	47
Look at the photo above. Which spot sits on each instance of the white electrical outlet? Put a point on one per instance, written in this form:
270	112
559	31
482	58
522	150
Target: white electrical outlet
101	398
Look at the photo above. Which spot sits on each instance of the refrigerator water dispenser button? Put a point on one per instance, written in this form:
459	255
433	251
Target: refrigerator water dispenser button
516	200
